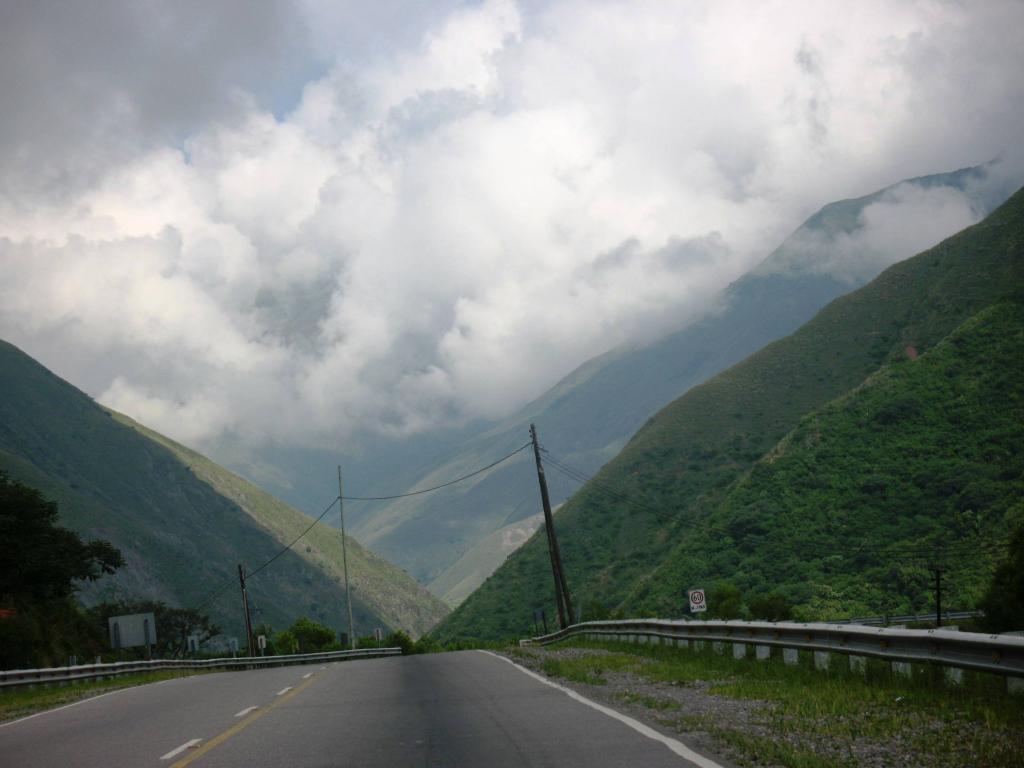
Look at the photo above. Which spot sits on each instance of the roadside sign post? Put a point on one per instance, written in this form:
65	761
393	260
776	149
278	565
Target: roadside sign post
261	641
698	603
131	631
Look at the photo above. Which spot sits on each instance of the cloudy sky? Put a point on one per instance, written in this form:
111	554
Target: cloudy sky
293	219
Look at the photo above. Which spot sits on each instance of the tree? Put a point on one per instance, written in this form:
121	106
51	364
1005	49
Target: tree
39	567
771	608
1003	602
725	602
311	636
42	561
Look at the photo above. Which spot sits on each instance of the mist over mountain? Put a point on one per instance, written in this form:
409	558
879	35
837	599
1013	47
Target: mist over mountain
831	467
183	523
452	540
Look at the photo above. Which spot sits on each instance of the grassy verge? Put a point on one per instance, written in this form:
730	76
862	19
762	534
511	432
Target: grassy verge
27	701
815	719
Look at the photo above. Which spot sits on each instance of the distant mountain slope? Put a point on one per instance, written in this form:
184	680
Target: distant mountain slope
174	515
680	465
397	598
588	417
921	465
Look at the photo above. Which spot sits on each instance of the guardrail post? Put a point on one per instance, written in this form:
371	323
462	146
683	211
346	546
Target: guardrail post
1015	685
859	664
718	647
790	656
682	642
763	652
821	660
954	676
739	650
902	668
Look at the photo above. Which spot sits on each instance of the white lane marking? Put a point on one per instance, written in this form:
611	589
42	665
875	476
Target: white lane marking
307	676
178	750
283	691
676	746
246	711
324	667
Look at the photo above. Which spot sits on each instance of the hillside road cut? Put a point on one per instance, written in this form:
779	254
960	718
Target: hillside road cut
469	708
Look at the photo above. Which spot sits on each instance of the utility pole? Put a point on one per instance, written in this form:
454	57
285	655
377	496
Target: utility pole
937	570
245	607
561	587
344	561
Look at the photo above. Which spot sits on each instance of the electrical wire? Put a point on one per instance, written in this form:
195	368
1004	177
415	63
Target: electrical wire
296	541
214	595
443	485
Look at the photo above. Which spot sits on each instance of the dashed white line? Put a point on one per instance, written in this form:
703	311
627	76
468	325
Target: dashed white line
246	711
676	746
283	691
178	750
307	676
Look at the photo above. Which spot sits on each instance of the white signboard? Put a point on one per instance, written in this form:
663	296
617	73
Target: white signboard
261	642
698	604
132	630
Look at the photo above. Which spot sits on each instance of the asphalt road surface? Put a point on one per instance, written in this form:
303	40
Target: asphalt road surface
452	709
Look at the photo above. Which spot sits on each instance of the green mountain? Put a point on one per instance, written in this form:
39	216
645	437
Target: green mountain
182	522
448	540
699	471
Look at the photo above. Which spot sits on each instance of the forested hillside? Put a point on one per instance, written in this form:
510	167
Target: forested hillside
182	524
677	478
448	541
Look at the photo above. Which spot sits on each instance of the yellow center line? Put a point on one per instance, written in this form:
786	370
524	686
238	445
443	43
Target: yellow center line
216	741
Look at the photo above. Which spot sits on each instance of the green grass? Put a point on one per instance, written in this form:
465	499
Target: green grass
651	702
27	701
977	723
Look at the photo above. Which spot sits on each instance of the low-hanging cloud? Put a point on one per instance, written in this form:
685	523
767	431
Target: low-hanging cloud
438	227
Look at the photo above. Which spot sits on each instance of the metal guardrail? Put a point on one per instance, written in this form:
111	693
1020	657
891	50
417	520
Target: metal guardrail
15	678
1001	654
912	618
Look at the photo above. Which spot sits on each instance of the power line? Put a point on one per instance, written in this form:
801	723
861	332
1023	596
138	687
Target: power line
296	541
213	596
228	583
443	485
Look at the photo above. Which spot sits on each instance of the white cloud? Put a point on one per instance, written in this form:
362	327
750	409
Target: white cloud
441	225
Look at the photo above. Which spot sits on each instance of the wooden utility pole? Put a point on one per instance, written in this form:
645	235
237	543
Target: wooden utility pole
245	608
561	587
938	594
344	562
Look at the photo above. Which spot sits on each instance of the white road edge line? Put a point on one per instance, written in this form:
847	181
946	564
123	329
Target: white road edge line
307	676
676	746
246	711
283	691
178	750
68	706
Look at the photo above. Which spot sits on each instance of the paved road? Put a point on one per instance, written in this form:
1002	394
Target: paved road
454	709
